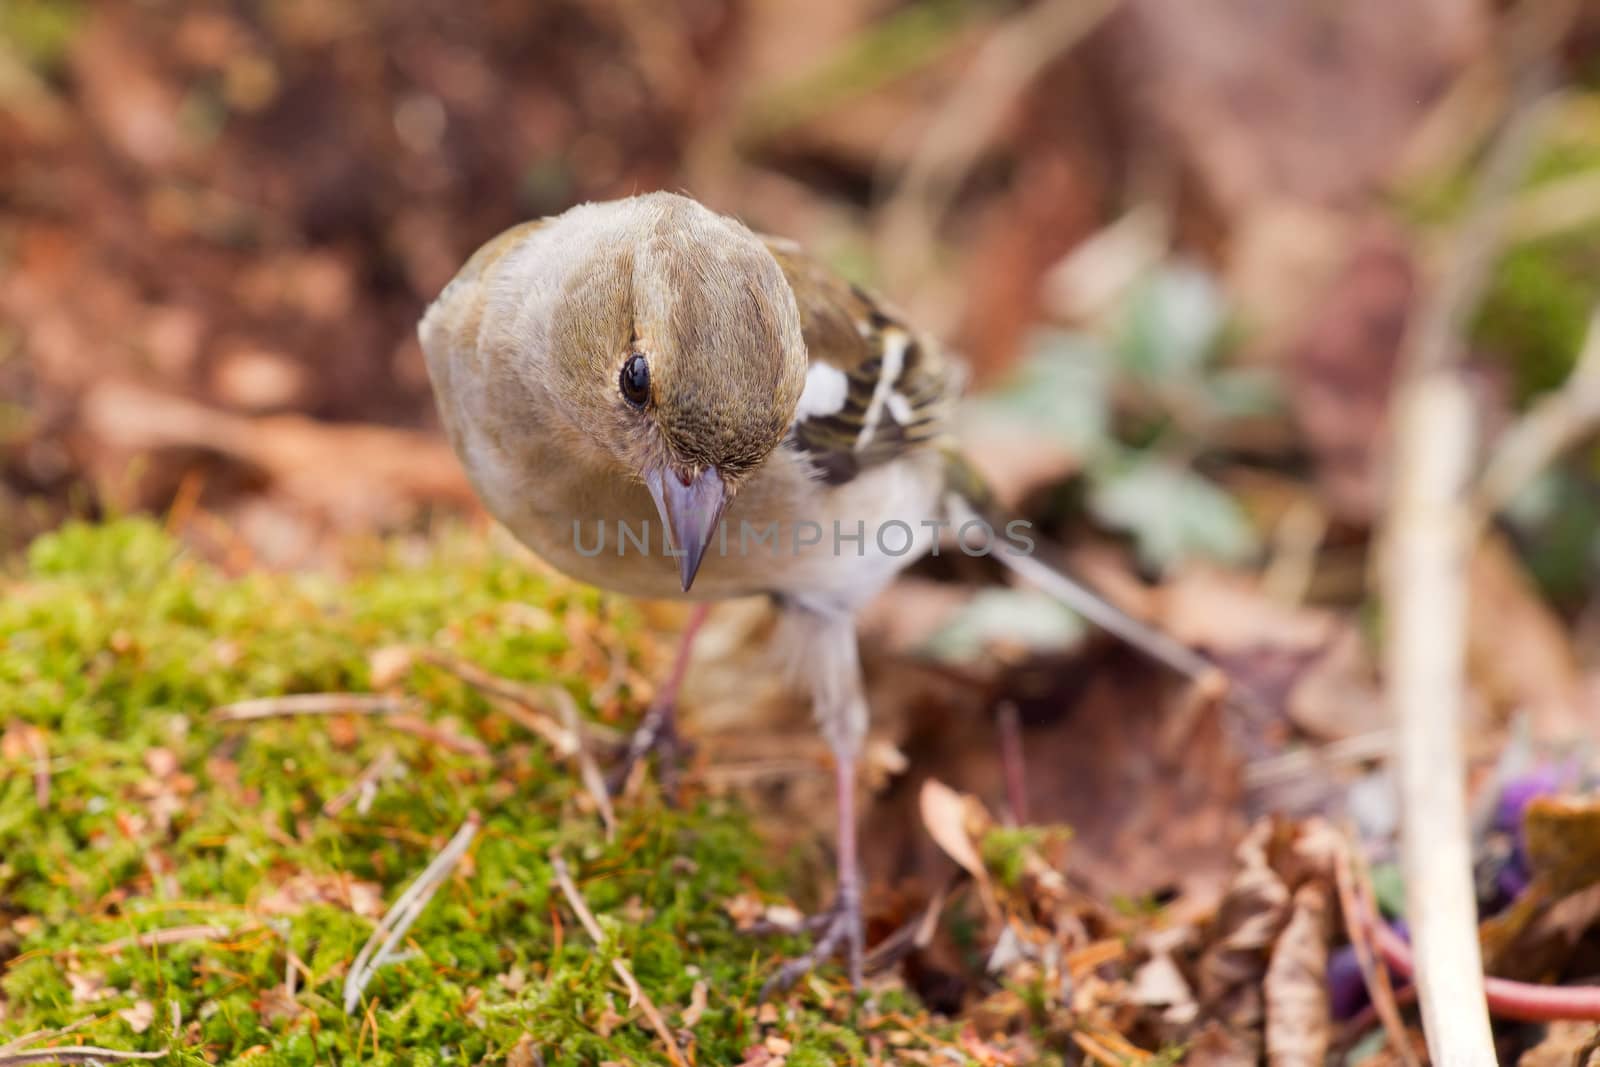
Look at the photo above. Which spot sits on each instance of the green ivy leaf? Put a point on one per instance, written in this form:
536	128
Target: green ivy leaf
1173	321
1173	514
1006	616
1060	391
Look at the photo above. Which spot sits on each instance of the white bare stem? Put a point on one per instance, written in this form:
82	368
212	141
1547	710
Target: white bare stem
313	704
398	919
1427	542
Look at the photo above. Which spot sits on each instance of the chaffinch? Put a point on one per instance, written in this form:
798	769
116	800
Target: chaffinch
647	364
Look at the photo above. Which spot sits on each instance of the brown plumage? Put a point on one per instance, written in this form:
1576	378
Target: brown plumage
649	363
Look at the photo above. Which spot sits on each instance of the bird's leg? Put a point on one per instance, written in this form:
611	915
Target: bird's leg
841	711
658	731
840	927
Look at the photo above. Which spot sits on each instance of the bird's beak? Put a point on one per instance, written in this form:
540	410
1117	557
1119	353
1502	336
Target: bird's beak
690	507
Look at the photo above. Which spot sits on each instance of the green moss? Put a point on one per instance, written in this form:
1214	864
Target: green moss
1006	849
40	30
115	643
1535	313
1536	308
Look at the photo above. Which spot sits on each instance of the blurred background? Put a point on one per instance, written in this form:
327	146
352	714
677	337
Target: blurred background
1182	244
1180	239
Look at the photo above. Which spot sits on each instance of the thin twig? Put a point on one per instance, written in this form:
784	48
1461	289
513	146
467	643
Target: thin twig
398	919
174	935
26	1039
588	771
1355	900
417	726
561	742
1426	548
364	786
75	1054
1297	763
313	704
1555	424
519	702
481	679
591	925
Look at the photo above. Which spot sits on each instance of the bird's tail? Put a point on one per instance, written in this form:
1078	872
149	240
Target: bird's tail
969	496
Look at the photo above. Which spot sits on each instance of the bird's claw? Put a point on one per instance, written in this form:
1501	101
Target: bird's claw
657	734
835	930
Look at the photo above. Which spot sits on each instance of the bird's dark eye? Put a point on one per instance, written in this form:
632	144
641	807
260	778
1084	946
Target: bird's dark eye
635	380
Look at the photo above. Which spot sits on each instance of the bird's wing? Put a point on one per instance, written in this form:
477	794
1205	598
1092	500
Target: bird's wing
875	388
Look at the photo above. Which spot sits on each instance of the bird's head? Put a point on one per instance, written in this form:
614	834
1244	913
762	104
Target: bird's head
677	351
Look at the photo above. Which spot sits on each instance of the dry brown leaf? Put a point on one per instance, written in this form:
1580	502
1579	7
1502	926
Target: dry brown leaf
609	1020
278	1005
944	813
139	1016
1536	936
24	741
1252	912
525	1053
160	762
20	741
749	911
87	987
1311	660
697	1005
1563	841
383	474
1561	1045
760	1056
1218	1046
1295	987
303	890
1158	983
389	665
1013	462
1092	724
1224	611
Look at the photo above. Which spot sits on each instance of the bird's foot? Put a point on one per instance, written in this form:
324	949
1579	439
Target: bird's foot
657	735
834	931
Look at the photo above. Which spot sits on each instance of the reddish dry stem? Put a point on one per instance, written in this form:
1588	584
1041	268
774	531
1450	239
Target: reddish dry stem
1523	1001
